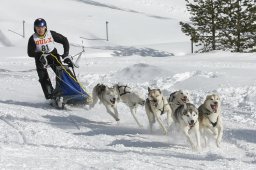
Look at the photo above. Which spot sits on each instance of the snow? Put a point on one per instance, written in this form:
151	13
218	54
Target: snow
34	135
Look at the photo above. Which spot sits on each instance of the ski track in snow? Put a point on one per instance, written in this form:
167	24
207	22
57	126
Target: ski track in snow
79	128
125	144
68	116
21	134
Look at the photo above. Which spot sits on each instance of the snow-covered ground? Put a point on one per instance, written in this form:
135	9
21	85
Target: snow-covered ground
34	135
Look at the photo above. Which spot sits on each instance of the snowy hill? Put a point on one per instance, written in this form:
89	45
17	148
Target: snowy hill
34	135
130	24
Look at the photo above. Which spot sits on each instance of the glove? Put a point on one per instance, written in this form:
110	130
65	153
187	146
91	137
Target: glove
43	59
68	61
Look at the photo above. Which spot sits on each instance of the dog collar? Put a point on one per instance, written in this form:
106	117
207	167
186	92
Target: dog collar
215	123
162	111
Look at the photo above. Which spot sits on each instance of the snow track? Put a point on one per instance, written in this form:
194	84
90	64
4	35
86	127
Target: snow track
79	138
22	137
73	121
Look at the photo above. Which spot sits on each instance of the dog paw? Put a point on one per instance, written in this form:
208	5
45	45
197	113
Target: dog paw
165	133
198	148
218	143
194	147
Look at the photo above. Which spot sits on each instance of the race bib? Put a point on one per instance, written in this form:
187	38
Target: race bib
44	44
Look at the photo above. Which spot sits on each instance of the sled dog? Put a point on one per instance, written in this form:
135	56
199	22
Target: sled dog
108	97
130	98
186	118
156	104
210	118
177	98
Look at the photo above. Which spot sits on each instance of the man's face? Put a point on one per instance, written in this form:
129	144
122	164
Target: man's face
40	30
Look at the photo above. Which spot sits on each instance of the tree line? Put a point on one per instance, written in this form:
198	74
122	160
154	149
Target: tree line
222	24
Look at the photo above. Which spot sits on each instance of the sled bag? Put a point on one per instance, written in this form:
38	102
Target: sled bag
70	88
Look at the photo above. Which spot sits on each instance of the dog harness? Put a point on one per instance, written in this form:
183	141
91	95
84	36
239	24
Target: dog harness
207	113
161	110
125	92
214	124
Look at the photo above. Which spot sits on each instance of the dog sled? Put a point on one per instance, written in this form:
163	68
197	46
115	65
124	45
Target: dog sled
68	90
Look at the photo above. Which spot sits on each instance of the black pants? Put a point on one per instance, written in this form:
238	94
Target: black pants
43	75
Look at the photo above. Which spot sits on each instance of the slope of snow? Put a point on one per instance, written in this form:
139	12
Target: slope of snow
33	134
87	18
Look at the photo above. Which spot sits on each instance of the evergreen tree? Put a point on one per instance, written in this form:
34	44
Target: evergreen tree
189	31
205	21
239	25
222	24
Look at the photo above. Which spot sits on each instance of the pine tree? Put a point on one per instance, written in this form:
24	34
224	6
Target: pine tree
205	22
189	31
222	24
239	25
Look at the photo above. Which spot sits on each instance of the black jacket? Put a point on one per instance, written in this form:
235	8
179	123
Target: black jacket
56	37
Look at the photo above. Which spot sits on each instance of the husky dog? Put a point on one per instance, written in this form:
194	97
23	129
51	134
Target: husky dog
186	116
130	98
156	104
177	98
108	96
210	118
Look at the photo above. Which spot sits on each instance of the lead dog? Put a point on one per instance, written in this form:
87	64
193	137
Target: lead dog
130	98
210	118
186	117
177	98
108	97
156	104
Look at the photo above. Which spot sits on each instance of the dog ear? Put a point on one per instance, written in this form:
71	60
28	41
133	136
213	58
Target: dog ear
216	96
182	108
115	86
196	110
149	89
185	106
118	99
103	87
159	91
193	108
172	97
208	97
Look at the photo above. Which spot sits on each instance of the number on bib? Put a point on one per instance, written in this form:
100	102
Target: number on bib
45	48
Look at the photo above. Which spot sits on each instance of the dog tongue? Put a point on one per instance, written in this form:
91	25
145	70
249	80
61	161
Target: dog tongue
191	125
214	107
